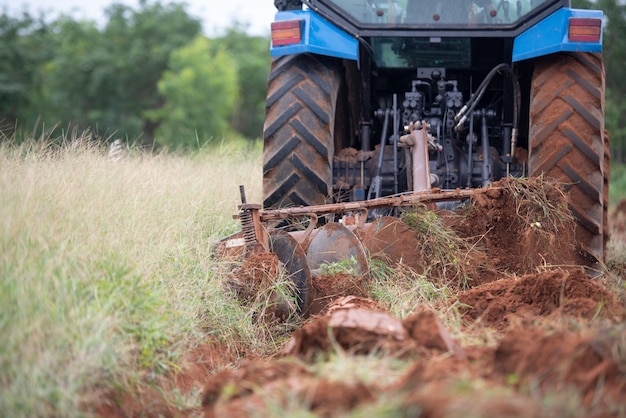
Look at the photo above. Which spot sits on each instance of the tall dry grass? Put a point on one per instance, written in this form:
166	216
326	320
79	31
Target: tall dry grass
106	269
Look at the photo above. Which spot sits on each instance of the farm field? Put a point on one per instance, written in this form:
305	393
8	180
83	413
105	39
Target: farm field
113	302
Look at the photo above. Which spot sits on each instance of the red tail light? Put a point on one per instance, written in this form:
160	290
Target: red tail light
286	32
585	30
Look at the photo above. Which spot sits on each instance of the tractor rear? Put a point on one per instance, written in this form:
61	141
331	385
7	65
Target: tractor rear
372	100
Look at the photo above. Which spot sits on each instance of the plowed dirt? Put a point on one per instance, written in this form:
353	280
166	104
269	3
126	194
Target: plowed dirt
532	327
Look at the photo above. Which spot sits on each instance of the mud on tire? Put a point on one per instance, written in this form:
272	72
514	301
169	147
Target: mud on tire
567	138
299	130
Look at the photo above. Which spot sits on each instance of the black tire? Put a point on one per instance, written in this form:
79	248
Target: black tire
299	130
567	139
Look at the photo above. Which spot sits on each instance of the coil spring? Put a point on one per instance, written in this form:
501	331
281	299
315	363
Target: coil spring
247	227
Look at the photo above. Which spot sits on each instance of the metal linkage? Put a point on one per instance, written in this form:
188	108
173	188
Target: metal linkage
402	200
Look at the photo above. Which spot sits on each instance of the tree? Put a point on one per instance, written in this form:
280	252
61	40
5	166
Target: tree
71	88
70	73
614	58
199	91
107	79
252	57
25	45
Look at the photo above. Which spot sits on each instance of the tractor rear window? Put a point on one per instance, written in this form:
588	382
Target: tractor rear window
438	12
422	52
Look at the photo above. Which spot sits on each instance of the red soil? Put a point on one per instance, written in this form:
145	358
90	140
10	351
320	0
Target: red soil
555	329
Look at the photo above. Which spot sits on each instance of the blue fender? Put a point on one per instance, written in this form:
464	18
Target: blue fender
551	35
319	36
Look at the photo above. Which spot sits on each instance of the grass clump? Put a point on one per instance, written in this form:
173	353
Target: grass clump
349	267
540	204
400	290
268	295
447	257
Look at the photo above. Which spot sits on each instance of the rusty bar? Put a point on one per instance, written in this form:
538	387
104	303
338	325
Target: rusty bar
382	202
259	231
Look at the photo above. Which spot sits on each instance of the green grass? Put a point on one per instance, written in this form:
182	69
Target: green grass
106	269
401	290
617	183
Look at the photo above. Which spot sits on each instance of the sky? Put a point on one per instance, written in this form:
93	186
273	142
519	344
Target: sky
215	14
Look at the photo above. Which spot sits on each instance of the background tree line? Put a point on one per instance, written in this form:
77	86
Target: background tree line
149	75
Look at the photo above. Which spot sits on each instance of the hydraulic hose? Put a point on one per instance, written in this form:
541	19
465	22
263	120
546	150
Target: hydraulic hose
377	181
517	104
473	101
484	137
396	129
468	109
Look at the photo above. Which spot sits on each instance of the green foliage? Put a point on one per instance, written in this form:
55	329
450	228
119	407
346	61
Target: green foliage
348	266
614	57
199	89
71	90
614	53
142	42
104	79
615	108
146	70
617	184
25	45
251	54
614	46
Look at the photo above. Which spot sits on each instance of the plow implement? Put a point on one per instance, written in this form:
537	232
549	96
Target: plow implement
361	229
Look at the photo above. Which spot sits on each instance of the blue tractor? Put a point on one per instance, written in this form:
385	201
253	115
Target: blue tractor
374	98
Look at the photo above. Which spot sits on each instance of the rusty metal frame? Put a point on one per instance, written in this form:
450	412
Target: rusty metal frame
254	220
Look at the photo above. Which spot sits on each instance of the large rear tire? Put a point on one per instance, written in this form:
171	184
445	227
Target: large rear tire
299	130
567	139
